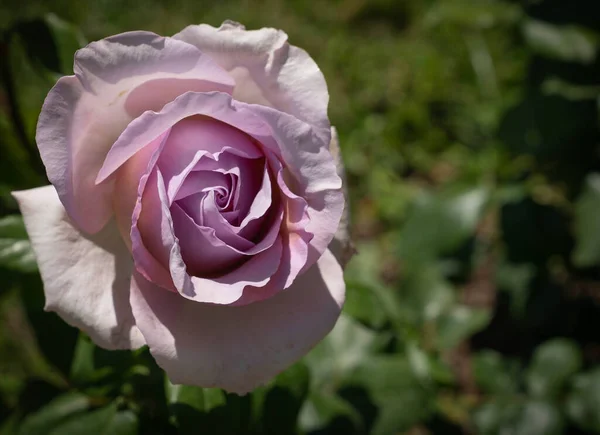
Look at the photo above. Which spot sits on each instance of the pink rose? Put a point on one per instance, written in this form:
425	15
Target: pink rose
194	198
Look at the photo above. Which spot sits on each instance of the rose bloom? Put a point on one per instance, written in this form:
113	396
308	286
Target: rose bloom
196	192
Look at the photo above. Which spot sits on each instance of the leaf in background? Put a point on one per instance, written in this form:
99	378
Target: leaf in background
30	83
566	43
583	402
505	416
391	384
424	294
15	164
104	421
495	374
587	224
15	249
67	39
324	414
51	42
332	363
570	91
458	324
514	279
438	224
123	423
284	399
54	413
55	338
345	348
553	363
99	371
364	287
192	408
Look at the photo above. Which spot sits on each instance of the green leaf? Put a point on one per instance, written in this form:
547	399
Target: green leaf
553	363
67	39
56	338
498	417
587	224
284	399
460	323
400	396
50	42
15	249
583	401
438	224
364	285
424	294
345	348
514	279
329	414
495	374
82	366
566	43
104	421
29	83
194	407
123	423
53	414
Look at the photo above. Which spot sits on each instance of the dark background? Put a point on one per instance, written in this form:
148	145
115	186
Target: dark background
470	132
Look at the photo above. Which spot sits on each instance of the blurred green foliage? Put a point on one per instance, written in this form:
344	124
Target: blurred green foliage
470	132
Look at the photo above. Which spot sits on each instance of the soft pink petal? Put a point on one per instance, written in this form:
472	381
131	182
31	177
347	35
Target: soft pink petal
204	253
156	227
341	245
192	135
84	114
146	226
238	348
267	70
229	287
86	278
189	141
313	174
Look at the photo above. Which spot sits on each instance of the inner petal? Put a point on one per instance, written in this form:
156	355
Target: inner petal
199	139
204	181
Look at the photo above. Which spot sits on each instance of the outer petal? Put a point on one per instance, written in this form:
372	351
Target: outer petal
238	348
116	79
86	279
341	245
267	70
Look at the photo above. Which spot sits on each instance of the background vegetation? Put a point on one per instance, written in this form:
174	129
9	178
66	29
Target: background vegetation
470	131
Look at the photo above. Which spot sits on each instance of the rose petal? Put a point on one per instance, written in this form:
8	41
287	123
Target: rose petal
92	108
267	70
193	138
238	348
189	135
306	156
157	228
341	245
86	278
146	217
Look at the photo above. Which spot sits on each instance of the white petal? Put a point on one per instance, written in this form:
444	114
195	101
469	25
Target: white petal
238	348
86	278
267	69
341	245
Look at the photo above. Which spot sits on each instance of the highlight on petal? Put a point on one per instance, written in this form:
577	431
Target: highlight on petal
311	170
266	68
238	348
341	245
86	278
116	79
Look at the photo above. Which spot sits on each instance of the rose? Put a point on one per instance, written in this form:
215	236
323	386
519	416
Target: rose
194	199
